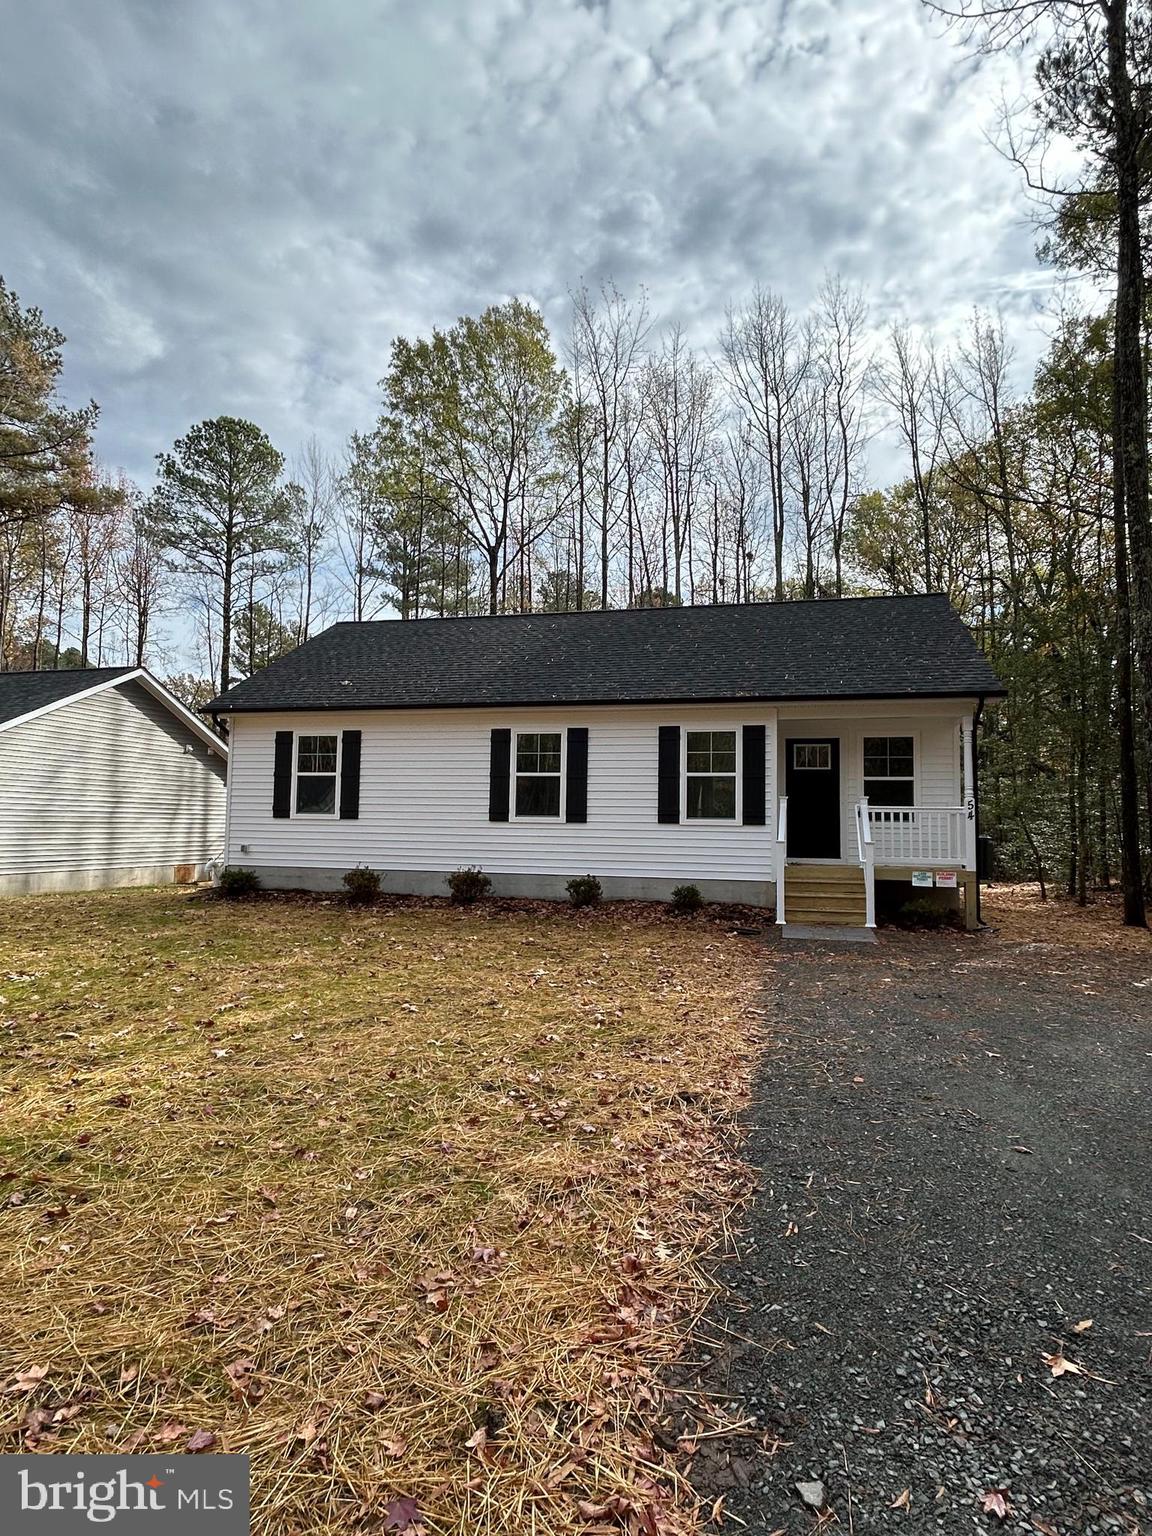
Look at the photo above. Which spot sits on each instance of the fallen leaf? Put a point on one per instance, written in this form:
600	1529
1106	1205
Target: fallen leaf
1028	1150
25	1381
401	1513
36	1420
1082	1326
1059	1366
242	1378
200	1440
374	1400
902	1500
995	1502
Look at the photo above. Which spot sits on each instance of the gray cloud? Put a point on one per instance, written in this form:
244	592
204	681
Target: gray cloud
235	205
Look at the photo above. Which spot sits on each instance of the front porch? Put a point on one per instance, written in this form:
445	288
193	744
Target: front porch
869	800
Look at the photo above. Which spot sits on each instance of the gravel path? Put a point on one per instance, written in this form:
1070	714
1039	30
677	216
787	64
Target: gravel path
953	1140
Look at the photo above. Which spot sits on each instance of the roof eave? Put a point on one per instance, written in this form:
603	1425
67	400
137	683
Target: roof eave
219	707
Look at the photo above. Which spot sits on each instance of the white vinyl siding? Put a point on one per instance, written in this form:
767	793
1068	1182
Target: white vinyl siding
110	782
424	799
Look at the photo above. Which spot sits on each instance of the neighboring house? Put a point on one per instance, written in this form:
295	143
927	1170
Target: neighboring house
809	749
107	780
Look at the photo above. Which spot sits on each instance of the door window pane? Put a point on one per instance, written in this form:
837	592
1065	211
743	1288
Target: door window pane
814	755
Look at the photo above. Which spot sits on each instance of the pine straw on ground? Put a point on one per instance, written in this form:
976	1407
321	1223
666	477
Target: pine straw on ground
410	1205
1018	916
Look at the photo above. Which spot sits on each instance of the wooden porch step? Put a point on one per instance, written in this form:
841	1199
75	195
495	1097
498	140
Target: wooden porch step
824	873
829	894
815	916
834	911
824	888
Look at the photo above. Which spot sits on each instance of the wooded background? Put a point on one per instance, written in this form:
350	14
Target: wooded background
510	470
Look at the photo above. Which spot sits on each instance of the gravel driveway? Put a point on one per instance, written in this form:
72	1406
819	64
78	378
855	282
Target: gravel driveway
952	1136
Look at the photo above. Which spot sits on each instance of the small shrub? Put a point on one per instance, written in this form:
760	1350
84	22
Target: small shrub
236	884
361	886
686	899
924	912
584	891
468	885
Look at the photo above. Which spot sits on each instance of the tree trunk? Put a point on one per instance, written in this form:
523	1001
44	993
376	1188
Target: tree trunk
226	624
1129	455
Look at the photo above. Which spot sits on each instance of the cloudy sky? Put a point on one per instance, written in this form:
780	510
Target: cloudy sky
235	205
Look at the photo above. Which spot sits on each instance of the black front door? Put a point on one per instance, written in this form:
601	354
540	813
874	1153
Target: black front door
812	784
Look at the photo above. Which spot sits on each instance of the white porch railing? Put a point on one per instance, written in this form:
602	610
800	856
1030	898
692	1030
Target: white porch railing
918	834
867	853
781	856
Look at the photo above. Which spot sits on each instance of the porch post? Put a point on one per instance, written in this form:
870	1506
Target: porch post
969	767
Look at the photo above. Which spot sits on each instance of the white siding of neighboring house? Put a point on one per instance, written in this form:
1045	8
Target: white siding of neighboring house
424	805
109	789
424	799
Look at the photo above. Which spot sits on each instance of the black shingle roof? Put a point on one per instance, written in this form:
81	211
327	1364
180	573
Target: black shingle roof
22	692
877	647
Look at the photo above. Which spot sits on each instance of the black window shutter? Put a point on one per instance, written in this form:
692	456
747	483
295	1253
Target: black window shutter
668	775
754	760
499	773
282	775
350	776
576	799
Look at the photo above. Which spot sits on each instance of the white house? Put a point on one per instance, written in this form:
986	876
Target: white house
107	780
790	754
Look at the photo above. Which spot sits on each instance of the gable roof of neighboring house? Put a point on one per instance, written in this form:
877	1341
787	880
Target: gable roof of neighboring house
28	695
850	648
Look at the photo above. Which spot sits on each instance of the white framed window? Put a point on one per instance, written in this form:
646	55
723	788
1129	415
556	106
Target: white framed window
812	755
538	775
710	775
890	770
316	774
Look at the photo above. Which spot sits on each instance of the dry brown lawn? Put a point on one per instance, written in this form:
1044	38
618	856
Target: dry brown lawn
410	1205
